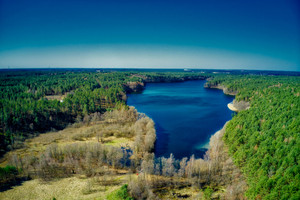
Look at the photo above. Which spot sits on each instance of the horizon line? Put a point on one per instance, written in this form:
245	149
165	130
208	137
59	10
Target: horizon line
136	68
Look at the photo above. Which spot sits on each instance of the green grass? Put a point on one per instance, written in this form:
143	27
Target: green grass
120	194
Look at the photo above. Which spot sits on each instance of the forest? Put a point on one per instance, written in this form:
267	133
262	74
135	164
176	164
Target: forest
264	140
37	101
64	124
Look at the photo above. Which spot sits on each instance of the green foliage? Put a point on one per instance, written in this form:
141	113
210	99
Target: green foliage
27	107
264	140
7	172
208	193
8	177
37	101
120	194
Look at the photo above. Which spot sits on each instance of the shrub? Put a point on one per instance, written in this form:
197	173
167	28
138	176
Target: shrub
8	172
8	177
208	193
120	194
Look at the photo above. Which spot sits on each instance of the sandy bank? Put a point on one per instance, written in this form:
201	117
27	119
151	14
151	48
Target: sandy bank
238	106
232	108
235	106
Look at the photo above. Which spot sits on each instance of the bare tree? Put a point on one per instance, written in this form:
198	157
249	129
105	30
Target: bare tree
183	163
168	167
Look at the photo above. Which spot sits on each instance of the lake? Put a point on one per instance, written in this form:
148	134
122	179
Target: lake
185	114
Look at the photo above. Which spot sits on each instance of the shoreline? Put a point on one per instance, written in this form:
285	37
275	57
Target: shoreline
235	106
232	107
140	86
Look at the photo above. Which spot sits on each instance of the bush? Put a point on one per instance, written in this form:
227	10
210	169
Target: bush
8	172
8	177
208	193
120	194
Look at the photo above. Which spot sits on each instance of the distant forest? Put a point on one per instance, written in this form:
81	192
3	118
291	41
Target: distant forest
264	141
37	101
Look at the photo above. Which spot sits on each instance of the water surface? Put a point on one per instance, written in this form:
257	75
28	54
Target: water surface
185	114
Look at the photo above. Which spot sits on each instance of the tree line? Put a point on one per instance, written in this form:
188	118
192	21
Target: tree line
264	140
28	108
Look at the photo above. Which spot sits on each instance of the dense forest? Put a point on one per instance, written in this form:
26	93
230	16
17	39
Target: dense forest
264	140
37	101
255	155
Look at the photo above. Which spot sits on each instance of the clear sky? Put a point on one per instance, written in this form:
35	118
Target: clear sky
219	34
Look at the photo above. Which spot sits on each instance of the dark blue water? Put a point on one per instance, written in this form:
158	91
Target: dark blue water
185	114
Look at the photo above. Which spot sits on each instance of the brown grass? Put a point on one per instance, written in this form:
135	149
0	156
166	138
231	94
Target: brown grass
117	128
58	97
77	133
66	188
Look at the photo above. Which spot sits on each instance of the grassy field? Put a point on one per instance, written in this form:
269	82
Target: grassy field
66	188
108	131
101	131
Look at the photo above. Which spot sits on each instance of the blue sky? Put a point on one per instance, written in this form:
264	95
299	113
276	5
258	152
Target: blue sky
236	34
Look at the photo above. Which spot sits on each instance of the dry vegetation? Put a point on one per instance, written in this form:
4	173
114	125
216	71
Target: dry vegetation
66	188
98	149
100	153
58	97
214	177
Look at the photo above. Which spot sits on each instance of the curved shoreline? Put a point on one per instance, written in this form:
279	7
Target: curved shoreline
232	107
142	86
